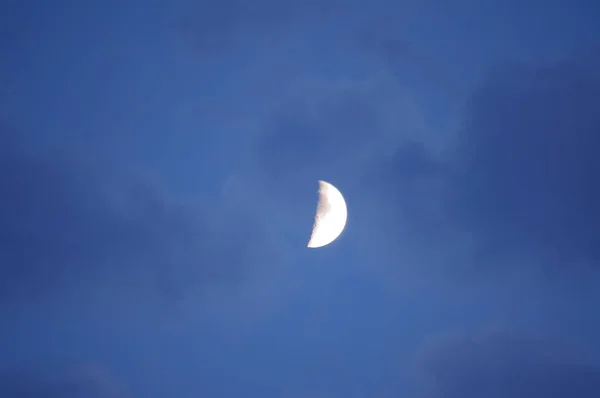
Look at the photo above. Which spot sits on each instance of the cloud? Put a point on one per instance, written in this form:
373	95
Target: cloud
334	127
67	223
217	26
410	179
518	184
527	163
503	365
408	62
91	381
325	129
213	27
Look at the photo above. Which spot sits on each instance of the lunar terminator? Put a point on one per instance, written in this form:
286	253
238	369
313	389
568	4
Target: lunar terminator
331	216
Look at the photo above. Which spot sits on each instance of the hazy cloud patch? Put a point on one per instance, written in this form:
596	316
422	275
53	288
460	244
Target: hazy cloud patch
90	381
66	223
495	364
527	164
518	185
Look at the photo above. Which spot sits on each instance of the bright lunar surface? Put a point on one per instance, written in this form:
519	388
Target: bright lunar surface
331	216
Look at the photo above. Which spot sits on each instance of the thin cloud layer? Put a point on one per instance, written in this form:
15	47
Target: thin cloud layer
64	224
87	382
527	164
326	127
519	182
216	26
408	62
330	130
500	365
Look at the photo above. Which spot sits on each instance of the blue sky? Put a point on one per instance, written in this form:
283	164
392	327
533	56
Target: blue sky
158	174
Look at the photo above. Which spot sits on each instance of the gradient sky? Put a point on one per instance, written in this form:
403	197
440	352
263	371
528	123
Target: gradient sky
158	175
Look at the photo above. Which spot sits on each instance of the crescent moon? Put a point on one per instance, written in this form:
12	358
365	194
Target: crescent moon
331	216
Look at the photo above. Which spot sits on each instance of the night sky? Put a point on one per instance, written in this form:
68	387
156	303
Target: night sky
159	167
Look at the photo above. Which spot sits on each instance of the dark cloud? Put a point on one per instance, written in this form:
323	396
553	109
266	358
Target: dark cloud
66	223
498	365
409	63
520	180
527	164
300	136
214	26
88	382
329	130
414	173
326	126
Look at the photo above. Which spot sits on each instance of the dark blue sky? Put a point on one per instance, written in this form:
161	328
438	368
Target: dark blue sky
158	175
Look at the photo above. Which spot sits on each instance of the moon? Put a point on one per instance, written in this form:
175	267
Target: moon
331	216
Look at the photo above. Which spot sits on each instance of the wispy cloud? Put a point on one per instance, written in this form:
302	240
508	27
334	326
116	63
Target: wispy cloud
65	223
88	381
495	364
519	180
